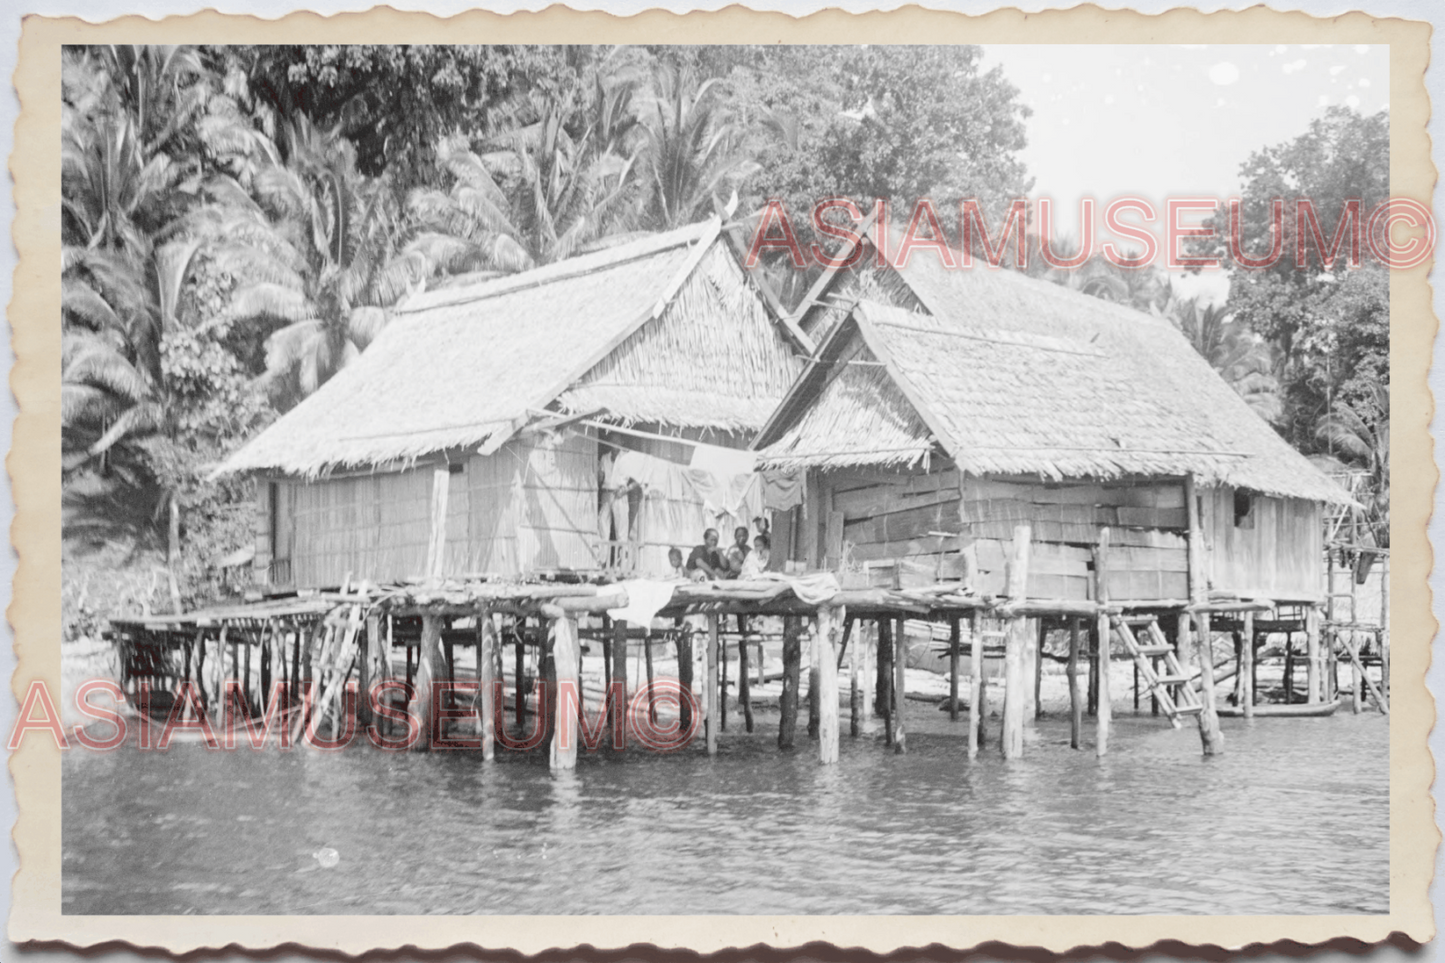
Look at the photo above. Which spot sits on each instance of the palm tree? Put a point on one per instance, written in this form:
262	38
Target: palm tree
1243	359
693	147
555	182
121	271
314	256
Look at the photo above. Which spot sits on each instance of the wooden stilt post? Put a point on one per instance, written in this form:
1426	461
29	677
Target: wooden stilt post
745	682
977	684
1105	716
864	651
1246	667
1314	676
1357	674
1016	647
366	667
651	681
684	676
1209	734
489	660
900	666
825	648
619	674
519	672
955	640
246	677
788	703
814	681
565	650
1076	702
1289	667
428	671
1036	657
722	694
1091	652
713	696
884	694
855	677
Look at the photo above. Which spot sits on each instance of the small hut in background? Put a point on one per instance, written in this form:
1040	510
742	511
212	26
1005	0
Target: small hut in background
573	417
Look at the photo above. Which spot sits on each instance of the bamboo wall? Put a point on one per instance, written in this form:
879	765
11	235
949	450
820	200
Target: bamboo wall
856	518
531	506
1275	550
861	517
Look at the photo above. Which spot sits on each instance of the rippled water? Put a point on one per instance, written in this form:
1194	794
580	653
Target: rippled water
1292	819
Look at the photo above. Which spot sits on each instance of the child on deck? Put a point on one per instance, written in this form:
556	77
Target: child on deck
738	552
757	561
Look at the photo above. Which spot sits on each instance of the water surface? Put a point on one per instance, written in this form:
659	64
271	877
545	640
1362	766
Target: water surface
1293	818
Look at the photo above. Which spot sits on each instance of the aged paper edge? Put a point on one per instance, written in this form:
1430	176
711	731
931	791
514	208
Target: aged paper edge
34	466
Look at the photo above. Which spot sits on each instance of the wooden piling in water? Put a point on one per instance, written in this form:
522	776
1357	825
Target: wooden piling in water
884	689
489	660
519	671
1246	667
814	681
825	658
788	702
1209	735
1016	642
854	681
1105	712
713	696
428	670
617	712
1036	656
977	684
565	653
651	683
1314	677
745	684
955	640
684	677
365	667
900	667
1076	702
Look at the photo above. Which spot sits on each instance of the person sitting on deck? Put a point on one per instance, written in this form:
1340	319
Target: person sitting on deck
738	551
706	562
674	563
757	561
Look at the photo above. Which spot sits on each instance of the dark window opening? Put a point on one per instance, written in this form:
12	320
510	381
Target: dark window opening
456	467
1243	509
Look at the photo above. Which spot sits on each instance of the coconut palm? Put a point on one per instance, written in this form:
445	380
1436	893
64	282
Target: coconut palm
313	255
556	181
693	149
121	270
1243	359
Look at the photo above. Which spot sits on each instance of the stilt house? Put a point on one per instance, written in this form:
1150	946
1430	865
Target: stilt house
534	413
945	407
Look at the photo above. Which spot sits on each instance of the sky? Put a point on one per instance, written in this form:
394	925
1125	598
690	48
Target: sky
1169	121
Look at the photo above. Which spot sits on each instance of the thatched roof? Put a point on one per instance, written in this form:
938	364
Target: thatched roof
663	330
1011	375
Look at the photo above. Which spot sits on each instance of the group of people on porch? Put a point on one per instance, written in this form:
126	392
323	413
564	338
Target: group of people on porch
708	562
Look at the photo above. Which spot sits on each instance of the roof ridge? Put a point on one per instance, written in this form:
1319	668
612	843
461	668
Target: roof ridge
558	270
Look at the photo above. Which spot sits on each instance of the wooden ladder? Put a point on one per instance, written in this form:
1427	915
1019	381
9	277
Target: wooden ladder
1172	689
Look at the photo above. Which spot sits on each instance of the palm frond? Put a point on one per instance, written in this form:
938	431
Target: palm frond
142	419
81	303
266	299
